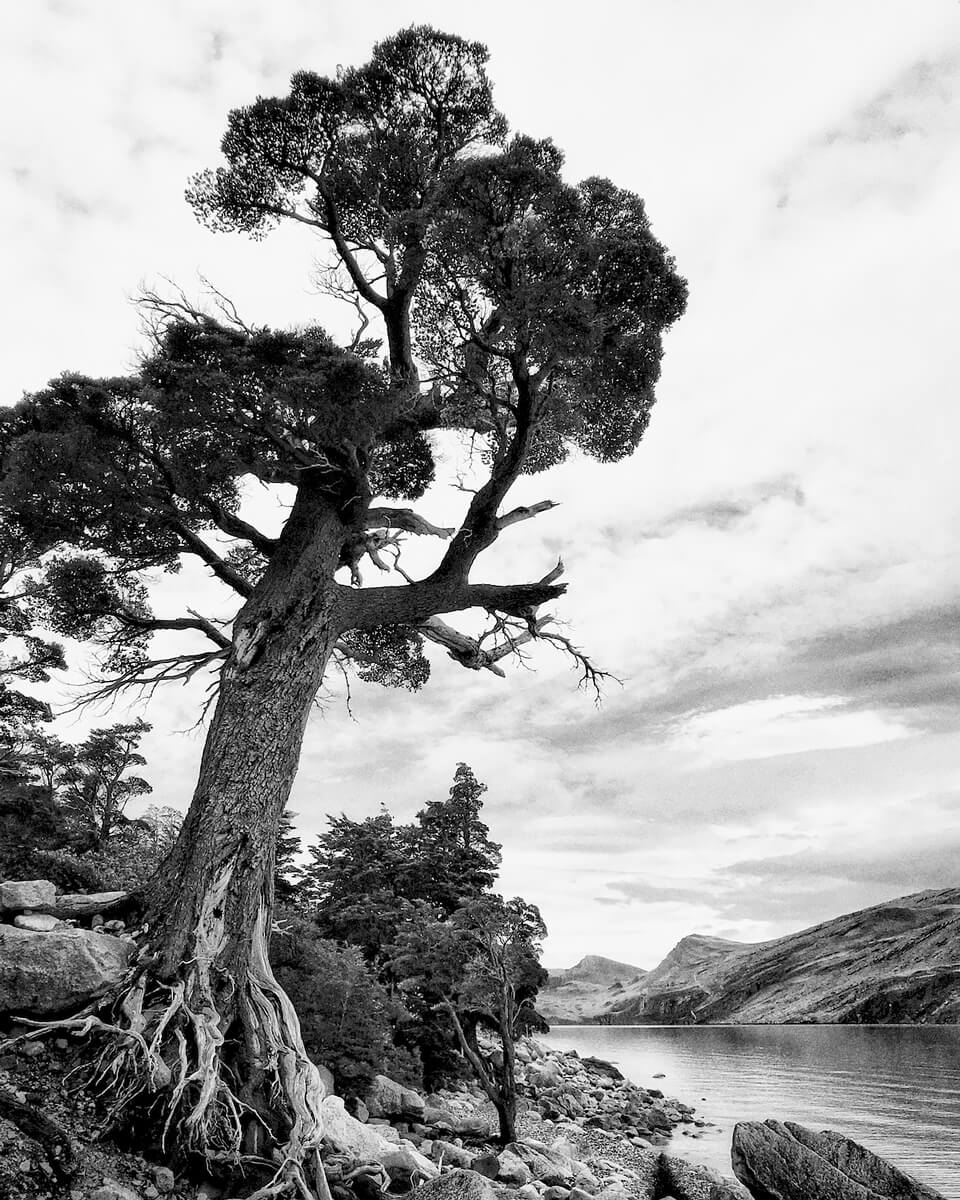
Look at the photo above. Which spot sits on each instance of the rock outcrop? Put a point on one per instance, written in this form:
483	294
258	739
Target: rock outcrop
783	1161
48	963
45	974
893	963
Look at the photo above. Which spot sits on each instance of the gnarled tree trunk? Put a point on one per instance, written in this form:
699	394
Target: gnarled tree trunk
227	1046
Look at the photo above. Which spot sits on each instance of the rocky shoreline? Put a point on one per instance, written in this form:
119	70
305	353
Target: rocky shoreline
583	1131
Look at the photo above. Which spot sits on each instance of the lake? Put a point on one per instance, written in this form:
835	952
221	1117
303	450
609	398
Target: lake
894	1088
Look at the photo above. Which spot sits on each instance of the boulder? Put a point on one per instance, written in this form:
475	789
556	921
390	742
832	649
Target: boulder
687	1181
387	1098
326	1076
27	895
487	1165
544	1074
457	1185
112	1190
783	1161
365	1143
42	974
447	1152
36	922
546	1164
513	1169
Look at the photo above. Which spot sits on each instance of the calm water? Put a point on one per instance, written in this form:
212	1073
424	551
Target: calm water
894	1088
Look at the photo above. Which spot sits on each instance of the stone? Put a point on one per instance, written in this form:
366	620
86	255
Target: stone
487	1165
364	1143
446	1152
457	1185
360	1111
386	1098
112	1190
326	1076
43	974
794	1163
36	922
164	1178
470	1125
545	1164
556	1192
688	1181
513	1169
403	1166
545	1074
27	895
527	1192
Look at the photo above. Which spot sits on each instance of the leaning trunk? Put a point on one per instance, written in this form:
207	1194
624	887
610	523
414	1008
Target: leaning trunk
242	1085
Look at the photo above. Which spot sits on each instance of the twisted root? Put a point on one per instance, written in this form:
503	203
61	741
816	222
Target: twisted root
165	1045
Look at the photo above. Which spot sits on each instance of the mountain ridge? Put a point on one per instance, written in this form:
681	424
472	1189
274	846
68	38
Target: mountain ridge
895	962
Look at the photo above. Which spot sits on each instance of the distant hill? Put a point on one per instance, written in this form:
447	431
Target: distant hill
893	963
574	994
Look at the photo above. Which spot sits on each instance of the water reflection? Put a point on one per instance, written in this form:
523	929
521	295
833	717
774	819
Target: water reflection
894	1088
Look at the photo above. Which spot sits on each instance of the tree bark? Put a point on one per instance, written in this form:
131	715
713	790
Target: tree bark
210	911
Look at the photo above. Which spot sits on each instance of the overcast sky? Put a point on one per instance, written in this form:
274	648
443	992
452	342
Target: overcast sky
774	575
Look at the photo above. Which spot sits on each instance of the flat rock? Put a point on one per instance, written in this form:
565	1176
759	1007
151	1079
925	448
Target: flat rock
778	1161
27	895
37	922
42	974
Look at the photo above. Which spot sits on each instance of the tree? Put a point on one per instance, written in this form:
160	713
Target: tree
480	965
94	787
455	855
24	656
285	870
534	309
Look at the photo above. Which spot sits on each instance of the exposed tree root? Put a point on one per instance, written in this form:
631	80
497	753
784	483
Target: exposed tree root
166	1050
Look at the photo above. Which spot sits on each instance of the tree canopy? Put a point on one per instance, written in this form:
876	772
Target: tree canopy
494	300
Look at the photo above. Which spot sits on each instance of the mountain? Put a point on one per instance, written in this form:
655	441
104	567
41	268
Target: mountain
573	994
893	963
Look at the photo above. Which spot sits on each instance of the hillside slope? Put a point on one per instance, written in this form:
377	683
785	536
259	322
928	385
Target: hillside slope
574	994
897	962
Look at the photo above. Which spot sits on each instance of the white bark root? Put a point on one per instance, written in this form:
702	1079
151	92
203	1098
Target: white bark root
213	1124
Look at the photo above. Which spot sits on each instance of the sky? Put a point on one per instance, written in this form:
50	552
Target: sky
774	576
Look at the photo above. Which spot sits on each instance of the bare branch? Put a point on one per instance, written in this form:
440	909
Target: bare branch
145	678
524	513
406	519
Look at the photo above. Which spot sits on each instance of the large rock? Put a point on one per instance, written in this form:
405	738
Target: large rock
42	974
28	895
36	922
779	1161
387	1098
687	1181
365	1143
457	1185
547	1164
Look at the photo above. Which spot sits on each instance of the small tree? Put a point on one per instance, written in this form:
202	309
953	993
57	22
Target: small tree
453	850
95	786
482	964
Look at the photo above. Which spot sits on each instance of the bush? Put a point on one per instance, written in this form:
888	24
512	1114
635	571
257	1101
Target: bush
345	1014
